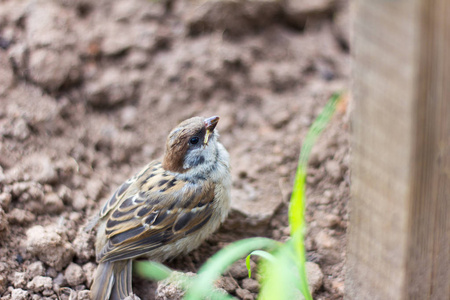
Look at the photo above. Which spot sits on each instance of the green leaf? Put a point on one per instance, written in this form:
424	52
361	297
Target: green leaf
298	198
261	253
218	263
151	270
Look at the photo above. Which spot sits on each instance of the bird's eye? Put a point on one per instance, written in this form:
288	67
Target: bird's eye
194	140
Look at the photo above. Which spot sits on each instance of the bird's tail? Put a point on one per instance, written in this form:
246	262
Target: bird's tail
112	280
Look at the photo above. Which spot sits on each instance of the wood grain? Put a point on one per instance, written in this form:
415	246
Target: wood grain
399	237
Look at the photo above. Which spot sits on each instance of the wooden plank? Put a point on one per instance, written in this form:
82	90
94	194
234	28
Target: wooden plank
399	235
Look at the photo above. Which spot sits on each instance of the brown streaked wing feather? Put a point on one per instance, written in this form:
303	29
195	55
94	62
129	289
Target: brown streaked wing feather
172	210
129	187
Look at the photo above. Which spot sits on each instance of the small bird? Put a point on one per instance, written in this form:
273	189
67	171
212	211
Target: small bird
166	209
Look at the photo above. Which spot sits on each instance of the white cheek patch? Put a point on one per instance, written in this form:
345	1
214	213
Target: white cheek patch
194	158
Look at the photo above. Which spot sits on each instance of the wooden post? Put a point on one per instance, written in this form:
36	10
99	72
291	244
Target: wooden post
399	235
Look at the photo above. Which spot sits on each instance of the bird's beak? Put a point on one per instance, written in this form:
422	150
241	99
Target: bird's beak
210	124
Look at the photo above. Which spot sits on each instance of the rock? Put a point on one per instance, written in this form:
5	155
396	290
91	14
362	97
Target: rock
84	245
315	276
128	116
227	283
250	209
3	282
299	11
250	284
17	128
6	74
35	167
334	170
4	224
40	283
89	270
238	270
170	288
59	280
49	25
5	201
110	89
20	280
74	275
342	28
53	69
79	201
84	295
325	220
35	269
116	39
232	17
19	294
133	297
49	246
338	286
94	188
325	241
20	216
136	10
18	56
53	203
244	294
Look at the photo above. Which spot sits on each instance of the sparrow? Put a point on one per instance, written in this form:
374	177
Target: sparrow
169	208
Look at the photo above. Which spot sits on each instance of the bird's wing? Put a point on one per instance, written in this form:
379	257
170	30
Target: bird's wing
151	210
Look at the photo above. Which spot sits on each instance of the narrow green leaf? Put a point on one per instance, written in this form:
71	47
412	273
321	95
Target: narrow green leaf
151	270
261	253
217	264
298	197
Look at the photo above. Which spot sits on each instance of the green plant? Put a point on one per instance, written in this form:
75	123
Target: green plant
282	267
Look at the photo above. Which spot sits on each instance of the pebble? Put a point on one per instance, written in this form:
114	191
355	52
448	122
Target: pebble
244	294
53	203
4	224
5	200
89	270
60	280
325	220
338	286
84	246
85	295
170	288
94	188
19	280
52	69
250	284
239	270
3	282
325	241
35	269
38	168
26	191
52	272
240	16
333	169
314	275
134	297
49	246
40	283
79	201
227	283
74	275
19	294
110	89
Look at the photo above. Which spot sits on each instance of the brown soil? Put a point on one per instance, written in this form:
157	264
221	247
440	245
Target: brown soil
90	89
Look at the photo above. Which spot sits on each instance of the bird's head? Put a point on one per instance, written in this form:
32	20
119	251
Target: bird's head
191	144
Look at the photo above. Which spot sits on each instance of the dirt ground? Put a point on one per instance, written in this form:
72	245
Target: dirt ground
90	89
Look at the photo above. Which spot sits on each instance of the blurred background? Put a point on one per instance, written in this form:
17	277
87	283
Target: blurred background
89	91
